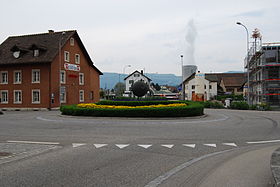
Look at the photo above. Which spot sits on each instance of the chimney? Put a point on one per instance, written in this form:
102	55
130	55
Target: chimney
141	72
51	31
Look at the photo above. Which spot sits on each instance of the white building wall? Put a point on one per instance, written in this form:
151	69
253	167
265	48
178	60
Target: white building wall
200	85
134	78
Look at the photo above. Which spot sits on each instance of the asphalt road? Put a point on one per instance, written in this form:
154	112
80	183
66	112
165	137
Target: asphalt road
223	148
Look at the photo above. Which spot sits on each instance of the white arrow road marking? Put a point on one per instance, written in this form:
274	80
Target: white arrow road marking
77	144
189	145
122	145
230	144
144	146
99	145
168	146
268	141
211	145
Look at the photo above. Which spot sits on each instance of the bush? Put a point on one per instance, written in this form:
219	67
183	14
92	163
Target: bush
240	105
193	109
262	106
138	103
232	96
140	99
213	104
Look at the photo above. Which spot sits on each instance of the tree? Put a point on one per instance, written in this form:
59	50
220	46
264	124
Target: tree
157	87
119	88
140	88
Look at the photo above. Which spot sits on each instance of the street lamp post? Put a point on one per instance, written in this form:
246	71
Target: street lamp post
247	60
183	85
126	66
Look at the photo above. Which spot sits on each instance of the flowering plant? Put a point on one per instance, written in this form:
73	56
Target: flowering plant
92	105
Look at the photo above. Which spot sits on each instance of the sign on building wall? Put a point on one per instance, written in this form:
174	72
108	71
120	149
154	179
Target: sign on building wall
72	67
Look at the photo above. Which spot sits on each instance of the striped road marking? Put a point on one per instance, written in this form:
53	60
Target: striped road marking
32	142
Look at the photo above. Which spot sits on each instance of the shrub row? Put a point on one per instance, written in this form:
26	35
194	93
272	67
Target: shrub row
194	109
242	105
213	104
139	99
137	103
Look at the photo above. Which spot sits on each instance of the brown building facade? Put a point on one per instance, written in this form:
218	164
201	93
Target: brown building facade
46	70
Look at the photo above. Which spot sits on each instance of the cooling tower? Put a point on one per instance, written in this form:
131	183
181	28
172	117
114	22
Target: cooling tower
188	70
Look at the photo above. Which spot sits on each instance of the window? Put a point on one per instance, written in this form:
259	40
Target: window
66	56
131	81
91	95
17	77
36	52
16	54
193	87
210	86
81	79
17	96
35	76
62	77
4	77
204	86
81	96
136	75
4	96
35	96
63	94
77	58
72	41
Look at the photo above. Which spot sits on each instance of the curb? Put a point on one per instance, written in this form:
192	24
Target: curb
275	167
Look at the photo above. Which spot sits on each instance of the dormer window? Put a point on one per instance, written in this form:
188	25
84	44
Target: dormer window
16	54
36	52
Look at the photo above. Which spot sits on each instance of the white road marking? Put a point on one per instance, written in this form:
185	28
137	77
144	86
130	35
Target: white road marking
50	120
268	141
121	146
144	146
157	181
99	145
210	145
168	145
32	142
189	145
230	144
77	144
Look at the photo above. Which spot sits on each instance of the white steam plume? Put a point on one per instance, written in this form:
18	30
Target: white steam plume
190	39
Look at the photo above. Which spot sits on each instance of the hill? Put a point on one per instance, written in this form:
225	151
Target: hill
109	80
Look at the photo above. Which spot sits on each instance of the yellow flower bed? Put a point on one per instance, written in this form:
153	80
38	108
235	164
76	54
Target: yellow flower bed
92	105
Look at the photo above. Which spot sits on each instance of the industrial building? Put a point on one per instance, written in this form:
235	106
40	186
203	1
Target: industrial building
263	63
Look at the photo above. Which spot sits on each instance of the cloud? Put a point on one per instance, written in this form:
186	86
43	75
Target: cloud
254	13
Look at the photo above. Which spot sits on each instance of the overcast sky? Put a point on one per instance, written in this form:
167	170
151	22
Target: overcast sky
150	34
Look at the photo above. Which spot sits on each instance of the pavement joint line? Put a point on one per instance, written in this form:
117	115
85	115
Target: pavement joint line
33	142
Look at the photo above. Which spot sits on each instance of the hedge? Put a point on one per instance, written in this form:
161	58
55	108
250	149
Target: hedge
194	109
213	104
138	103
240	105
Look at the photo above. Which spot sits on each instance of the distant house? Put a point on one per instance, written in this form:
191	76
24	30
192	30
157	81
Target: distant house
134	77
203	87
46	70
